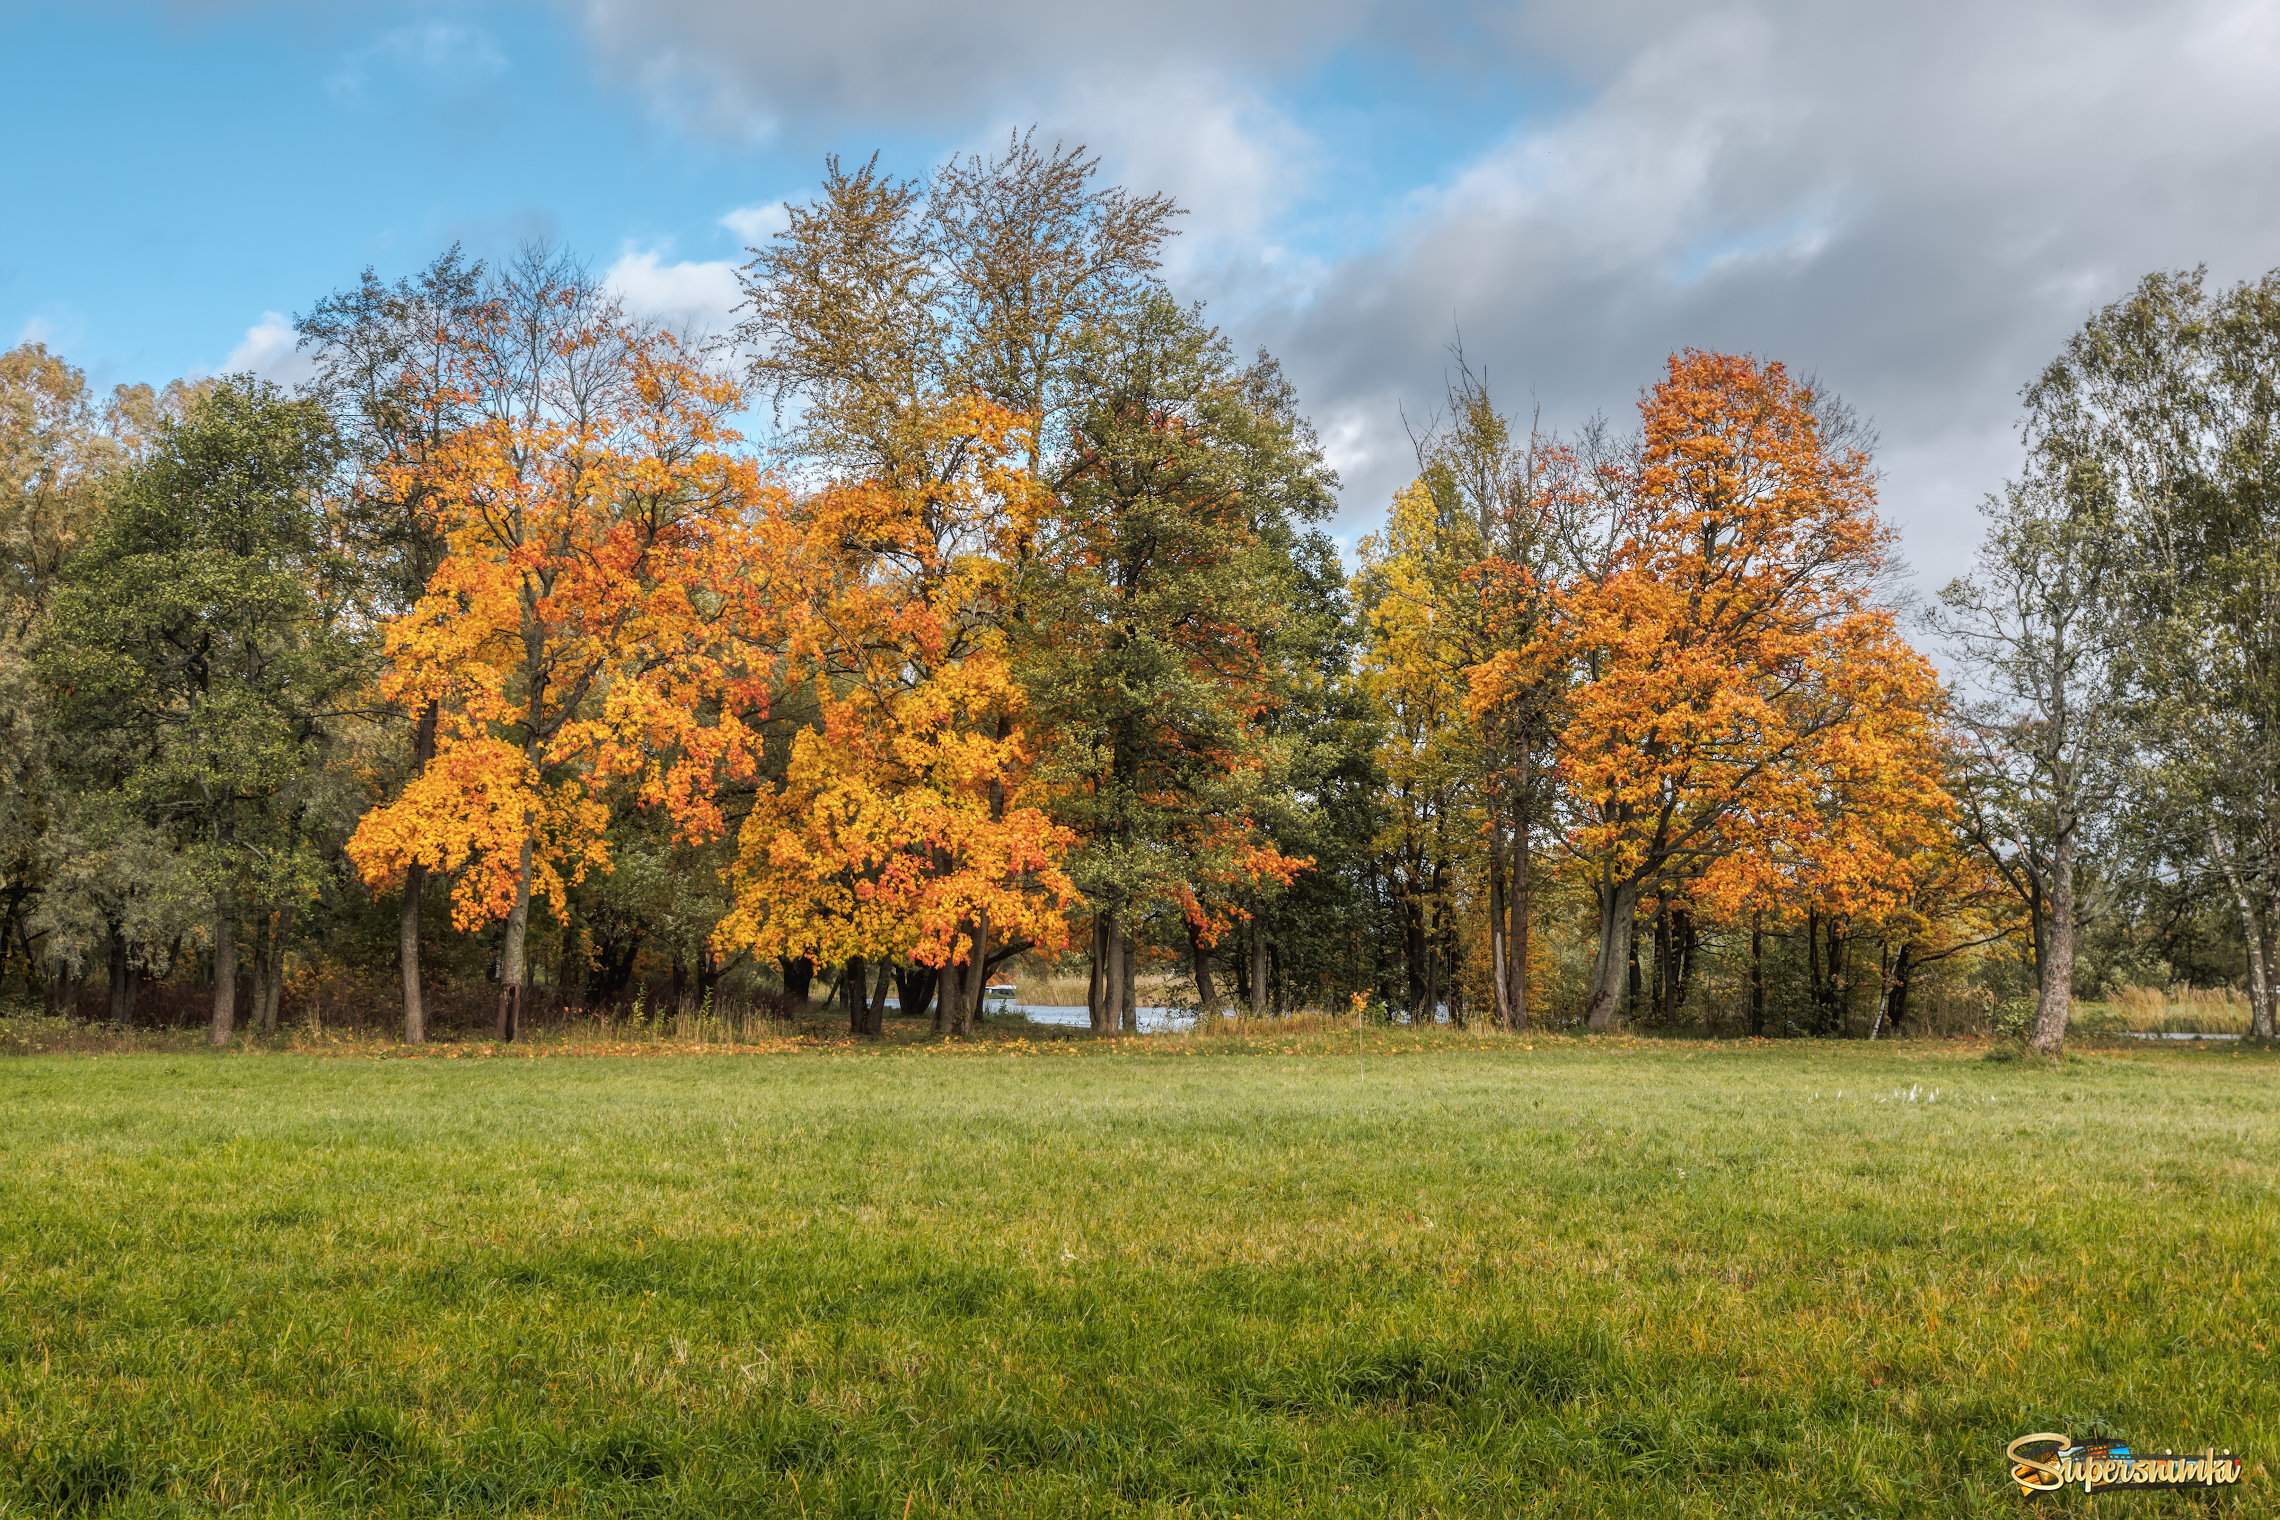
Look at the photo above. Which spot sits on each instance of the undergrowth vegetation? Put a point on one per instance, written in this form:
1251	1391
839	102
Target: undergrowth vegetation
1451	1276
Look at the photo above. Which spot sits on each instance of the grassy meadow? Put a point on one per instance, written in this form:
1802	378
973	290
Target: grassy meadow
1241	1274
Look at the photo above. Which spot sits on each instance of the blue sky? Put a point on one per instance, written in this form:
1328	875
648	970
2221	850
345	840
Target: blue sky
1917	202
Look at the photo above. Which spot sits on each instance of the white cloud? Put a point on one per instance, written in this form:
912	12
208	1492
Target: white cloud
754	225
700	295
270	349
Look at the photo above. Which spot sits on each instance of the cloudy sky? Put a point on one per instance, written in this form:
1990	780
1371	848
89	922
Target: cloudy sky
1915	201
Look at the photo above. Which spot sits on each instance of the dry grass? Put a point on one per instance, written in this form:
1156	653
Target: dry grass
2154	1010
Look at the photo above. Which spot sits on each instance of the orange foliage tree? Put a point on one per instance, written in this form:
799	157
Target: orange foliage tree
1735	699
902	831
601	616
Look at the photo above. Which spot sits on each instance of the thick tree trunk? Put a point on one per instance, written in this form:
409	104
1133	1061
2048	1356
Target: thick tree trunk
875	1017
225	967
1618	908
799	976
1111	963
1206	991
1096	975
1259	971
408	954
963	985
2058	965
513	967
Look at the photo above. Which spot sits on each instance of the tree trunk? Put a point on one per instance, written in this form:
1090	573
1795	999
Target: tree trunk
225	967
1684	942
2260	966
1757	976
408	953
1499	971
1112	978
799	975
1834	1016
1518	911
1618	906
273	971
2058	966
2271	968
1206	992
963	985
1814	985
512	965
1665	982
1096	975
856	985
875	1016
124	975
1428	1010
1259	970
408	915
977	972
1903	972
914	990
1128	986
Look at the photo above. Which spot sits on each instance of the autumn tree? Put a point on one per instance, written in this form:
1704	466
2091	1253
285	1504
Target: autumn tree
887	306
1730	667
903	833
601	614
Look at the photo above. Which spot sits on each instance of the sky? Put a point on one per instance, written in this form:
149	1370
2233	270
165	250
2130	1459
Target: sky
1916	203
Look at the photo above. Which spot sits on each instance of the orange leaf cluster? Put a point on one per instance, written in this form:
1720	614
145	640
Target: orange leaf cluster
604	614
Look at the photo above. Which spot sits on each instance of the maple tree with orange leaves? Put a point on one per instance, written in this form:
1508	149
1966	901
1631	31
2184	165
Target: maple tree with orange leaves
601	615
1736	694
904	830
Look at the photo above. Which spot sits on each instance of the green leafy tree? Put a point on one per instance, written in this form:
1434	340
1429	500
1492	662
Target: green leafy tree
196	653
1154	621
2165	410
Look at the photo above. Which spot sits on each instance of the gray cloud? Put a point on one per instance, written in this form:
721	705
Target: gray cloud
1918	202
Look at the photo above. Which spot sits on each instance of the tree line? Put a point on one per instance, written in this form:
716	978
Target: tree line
972	603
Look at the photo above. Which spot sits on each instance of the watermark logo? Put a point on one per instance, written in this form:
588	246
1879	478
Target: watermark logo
2046	1462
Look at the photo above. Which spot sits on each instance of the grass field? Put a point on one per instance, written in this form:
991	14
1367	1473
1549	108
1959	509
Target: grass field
1209	1276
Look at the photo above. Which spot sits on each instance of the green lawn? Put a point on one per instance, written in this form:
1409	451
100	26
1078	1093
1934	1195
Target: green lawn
1198	1278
